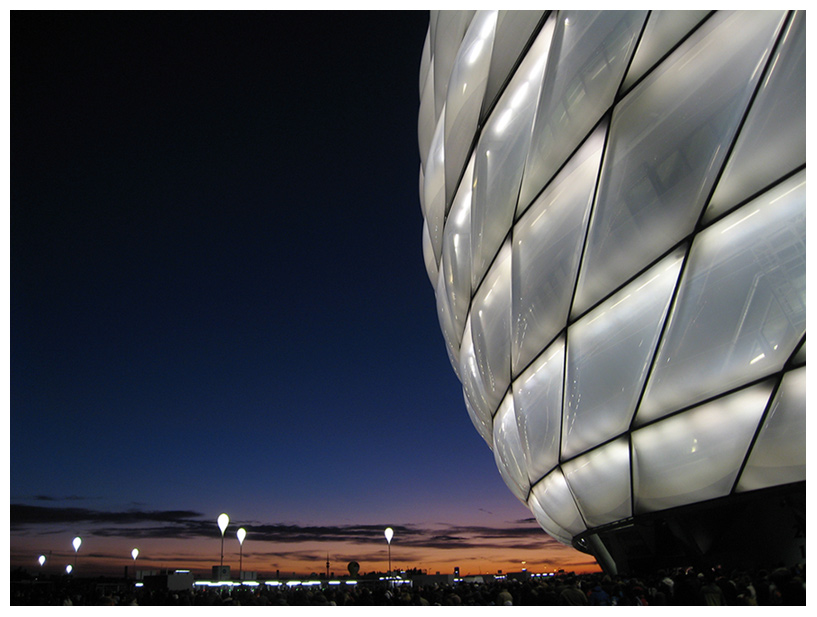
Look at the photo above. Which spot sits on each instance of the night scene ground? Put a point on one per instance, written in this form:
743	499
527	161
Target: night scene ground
218	303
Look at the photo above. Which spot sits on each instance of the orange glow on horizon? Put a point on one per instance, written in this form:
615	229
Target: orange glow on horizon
111	556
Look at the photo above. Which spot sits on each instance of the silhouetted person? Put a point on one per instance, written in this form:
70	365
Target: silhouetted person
571	595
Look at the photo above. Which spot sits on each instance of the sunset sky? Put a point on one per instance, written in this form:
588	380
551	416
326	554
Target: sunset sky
219	304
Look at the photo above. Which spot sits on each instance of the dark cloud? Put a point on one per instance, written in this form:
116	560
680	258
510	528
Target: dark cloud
135	523
24	515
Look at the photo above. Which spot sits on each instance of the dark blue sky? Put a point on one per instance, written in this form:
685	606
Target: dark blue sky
218	298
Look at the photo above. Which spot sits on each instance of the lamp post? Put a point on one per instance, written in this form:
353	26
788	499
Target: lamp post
76	542
223	521
241	534
134	553
389	535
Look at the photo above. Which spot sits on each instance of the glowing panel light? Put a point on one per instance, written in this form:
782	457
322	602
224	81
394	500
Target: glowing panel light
670	289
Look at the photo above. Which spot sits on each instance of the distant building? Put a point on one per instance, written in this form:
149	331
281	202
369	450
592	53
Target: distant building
174	580
615	208
221	573
432	579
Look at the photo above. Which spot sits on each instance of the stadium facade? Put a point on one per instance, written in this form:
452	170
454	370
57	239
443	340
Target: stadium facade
615	208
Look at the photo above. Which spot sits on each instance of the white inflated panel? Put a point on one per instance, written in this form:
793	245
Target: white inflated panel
547	523
779	455
555	497
456	262
695	455
500	156
772	142
609	352
600	481
668	139
741	308
547	245
663	31
490	327
508	451
466	88
514	30
538	403
589	53
481	409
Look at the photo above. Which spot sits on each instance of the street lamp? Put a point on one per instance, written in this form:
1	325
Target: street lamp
68	568
241	534
223	521
41	559
134	553
389	535
76	542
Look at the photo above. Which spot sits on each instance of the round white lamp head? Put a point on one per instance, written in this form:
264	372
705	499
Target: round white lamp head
389	534
77	541
135	553
241	533
41	559
68	568
223	521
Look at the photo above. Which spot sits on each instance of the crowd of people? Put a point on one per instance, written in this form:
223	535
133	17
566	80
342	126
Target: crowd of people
682	587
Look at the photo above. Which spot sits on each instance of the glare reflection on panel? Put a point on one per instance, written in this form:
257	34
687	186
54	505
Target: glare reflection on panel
426	119
425	64
482	422
466	89
472	384
434	191
450	29
538	401
456	263
508	450
500	156
514	30
428	256
490	327
454	283
445	317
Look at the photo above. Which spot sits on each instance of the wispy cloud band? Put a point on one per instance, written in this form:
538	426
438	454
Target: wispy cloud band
177	524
